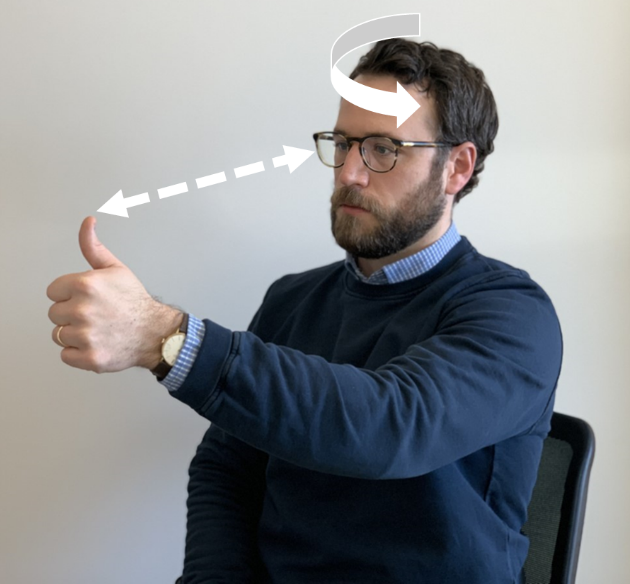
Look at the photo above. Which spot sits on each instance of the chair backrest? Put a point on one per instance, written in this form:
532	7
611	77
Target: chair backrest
556	511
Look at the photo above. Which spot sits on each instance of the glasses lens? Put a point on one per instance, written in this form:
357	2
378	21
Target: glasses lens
332	149
380	153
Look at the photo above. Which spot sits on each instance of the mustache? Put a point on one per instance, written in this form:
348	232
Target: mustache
352	197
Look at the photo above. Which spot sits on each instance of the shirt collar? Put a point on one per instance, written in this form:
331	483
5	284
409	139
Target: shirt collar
411	266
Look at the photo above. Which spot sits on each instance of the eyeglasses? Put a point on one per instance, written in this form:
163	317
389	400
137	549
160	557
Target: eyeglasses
378	152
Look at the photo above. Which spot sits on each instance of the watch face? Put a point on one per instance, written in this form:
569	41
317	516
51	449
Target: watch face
172	346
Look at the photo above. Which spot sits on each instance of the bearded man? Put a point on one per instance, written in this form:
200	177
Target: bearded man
383	417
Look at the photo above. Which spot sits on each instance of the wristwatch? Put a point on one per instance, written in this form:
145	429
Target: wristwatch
171	346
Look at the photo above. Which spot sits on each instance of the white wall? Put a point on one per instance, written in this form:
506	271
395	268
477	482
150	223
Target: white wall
98	96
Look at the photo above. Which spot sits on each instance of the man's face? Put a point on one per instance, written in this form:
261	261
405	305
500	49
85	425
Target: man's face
375	215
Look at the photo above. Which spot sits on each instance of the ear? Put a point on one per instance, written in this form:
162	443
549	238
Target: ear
460	166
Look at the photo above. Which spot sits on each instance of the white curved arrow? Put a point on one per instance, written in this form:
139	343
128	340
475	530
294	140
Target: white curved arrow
400	104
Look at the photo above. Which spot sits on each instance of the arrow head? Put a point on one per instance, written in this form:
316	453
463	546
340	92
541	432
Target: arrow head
296	156
115	206
406	105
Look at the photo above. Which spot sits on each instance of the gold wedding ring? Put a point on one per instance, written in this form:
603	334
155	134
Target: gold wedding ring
58	333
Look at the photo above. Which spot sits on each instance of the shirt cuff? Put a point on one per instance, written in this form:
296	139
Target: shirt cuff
194	336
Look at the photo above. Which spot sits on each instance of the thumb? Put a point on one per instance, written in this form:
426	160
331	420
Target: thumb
97	255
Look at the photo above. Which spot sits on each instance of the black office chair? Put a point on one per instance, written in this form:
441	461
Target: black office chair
556	511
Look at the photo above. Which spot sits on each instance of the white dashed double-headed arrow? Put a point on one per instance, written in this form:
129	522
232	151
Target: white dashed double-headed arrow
292	158
118	205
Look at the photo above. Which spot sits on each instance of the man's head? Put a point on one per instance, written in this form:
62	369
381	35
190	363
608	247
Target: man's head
416	197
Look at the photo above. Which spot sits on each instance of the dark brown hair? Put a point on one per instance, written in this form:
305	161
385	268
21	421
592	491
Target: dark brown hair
465	106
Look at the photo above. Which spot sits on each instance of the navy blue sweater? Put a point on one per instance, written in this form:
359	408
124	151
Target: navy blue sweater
365	433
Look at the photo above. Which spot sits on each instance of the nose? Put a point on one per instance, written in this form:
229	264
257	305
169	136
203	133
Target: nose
353	171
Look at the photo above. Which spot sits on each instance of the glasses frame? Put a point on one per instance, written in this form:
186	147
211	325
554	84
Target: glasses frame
396	142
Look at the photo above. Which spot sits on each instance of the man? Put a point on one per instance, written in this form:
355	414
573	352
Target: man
382	419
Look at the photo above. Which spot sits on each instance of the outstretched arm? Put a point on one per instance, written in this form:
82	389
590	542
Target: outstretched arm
487	374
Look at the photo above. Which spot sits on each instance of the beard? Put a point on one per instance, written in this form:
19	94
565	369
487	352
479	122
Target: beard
417	213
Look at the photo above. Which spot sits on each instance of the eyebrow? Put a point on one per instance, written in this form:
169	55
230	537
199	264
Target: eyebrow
384	134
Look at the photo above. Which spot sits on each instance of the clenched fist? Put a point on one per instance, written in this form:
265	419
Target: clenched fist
110	322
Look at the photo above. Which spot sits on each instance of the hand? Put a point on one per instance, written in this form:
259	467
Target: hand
110	322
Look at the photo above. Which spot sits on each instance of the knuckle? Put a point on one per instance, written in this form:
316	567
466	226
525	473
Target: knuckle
99	366
85	284
86	339
82	313
96	360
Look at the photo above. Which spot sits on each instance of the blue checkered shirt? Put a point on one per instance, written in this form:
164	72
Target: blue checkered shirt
399	271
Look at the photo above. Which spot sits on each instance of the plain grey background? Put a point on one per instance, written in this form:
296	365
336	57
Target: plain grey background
98	96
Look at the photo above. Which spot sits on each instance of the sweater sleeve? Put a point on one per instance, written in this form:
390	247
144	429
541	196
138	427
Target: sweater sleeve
488	374
225	494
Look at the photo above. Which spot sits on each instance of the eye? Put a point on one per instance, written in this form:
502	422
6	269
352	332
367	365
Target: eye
383	150
382	147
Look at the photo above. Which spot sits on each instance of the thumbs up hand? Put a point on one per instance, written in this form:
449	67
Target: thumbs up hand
107	320
97	255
